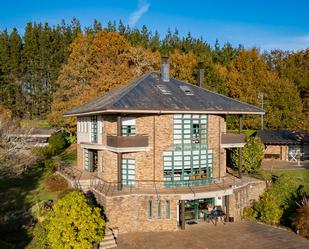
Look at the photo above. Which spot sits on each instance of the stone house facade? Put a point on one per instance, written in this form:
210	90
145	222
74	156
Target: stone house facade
153	153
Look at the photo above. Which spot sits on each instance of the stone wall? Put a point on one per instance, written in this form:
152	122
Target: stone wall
129	213
245	196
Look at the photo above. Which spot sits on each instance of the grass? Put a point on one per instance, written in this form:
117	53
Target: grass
19	194
27	123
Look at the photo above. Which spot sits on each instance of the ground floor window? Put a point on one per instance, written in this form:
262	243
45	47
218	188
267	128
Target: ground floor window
167	209
159	209
91	160
128	171
149	209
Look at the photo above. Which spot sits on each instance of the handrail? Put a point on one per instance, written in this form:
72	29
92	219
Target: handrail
158	186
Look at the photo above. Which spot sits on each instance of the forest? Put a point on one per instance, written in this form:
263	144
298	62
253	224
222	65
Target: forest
47	70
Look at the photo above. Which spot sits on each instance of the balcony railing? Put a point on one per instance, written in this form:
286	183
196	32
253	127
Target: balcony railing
162	187
127	141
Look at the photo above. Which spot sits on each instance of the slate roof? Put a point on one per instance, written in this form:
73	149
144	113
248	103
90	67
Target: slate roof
282	137
143	96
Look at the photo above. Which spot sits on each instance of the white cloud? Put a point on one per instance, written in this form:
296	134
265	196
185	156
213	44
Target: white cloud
136	15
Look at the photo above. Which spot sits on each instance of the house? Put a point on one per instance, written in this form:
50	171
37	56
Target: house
284	144
153	152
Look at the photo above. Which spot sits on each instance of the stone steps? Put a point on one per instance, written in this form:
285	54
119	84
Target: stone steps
109	240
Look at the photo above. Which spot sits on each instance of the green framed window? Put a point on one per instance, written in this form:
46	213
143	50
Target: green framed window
159	214
167	209
149	209
91	160
191	161
128	130
94	129
128	171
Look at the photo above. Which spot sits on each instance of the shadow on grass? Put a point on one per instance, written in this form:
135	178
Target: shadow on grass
18	195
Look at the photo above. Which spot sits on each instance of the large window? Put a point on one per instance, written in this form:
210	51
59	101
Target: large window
128	171
94	129
128	126
191	161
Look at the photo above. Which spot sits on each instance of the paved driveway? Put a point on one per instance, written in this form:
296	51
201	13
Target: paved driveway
241	235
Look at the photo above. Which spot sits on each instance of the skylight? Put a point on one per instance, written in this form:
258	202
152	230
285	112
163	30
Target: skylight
164	89
187	90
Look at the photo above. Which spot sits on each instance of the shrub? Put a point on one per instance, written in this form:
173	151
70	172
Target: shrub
252	153
39	237
268	210
301	221
56	183
74	224
71	139
57	142
40	209
249	213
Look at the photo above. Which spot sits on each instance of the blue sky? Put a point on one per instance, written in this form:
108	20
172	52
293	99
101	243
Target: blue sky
265	24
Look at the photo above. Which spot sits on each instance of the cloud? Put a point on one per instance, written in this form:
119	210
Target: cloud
136	15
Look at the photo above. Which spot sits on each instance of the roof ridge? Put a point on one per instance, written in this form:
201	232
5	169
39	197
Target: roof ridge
131	85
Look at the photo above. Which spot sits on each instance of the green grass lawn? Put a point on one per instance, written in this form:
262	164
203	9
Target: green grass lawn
19	194
27	123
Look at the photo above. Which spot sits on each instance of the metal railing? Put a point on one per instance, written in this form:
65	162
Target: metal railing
72	174
161	187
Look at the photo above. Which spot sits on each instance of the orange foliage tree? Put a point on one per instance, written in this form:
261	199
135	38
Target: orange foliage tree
97	63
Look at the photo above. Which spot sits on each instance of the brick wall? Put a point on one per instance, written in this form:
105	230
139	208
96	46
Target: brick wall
217	126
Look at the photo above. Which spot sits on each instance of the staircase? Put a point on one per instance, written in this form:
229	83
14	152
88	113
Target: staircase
109	240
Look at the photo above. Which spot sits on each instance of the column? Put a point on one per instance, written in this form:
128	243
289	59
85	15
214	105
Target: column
240	149
119	157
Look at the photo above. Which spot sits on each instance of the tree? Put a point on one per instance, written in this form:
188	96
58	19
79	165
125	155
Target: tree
74	224
97	63
252	155
15	157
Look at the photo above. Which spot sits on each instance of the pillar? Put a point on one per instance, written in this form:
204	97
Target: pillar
240	149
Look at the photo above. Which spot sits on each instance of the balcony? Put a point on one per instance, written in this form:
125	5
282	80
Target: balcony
233	140
127	143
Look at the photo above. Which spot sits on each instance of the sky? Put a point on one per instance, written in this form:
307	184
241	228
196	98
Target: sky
265	24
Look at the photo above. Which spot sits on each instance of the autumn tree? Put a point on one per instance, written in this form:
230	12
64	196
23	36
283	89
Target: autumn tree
97	63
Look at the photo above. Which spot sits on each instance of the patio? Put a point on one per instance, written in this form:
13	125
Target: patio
240	235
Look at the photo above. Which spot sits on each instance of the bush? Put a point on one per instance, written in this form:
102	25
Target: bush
249	214
39	237
57	142
74	224
268	210
301	221
56	183
252	153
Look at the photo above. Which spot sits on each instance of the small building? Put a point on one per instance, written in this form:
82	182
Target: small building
284	144
153	152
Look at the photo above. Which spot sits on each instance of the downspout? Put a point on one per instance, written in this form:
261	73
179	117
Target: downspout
154	148
219	147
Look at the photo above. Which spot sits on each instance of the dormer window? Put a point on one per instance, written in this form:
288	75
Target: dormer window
187	90
164	89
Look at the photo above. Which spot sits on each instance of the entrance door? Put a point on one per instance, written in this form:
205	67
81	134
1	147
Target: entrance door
194	209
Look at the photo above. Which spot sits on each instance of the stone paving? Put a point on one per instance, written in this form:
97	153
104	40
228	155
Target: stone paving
240	235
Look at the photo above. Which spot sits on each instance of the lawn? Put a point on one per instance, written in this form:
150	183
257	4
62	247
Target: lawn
19	194
300	175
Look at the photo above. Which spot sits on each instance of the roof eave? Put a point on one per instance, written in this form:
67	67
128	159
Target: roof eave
111	111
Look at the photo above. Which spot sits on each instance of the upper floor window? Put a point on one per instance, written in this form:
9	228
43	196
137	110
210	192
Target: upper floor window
94	129
196	133
128	126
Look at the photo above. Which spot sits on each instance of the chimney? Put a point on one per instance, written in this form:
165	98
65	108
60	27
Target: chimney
165	69
200	74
